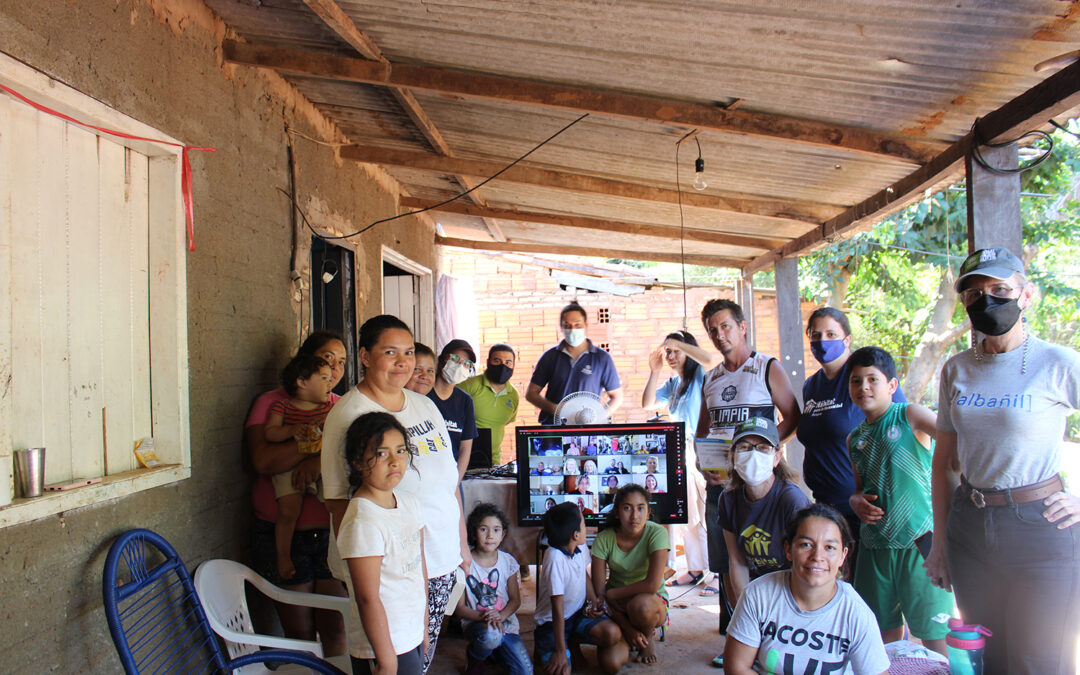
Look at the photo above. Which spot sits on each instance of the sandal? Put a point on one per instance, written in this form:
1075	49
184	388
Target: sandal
691	579
709	591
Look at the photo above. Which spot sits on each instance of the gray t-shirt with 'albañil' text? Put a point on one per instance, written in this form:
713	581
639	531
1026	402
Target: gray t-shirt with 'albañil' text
1008	412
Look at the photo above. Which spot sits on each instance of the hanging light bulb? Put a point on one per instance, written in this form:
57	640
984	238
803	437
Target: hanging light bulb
699	174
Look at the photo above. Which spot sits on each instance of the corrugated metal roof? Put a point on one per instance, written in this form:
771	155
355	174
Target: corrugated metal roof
916	69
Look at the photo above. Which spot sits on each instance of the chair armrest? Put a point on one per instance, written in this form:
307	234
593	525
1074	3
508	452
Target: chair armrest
331	602
286	656
273	641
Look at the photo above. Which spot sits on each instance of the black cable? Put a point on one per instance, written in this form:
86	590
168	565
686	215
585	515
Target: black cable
682	225
1066	130
457	196
976	154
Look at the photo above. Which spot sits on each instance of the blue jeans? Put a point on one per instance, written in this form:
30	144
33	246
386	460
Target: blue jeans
508	649
1017	574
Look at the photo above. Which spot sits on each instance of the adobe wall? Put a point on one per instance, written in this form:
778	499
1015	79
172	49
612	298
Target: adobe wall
159	62
519	304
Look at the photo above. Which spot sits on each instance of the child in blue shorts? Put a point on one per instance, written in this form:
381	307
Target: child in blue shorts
891	453
566	606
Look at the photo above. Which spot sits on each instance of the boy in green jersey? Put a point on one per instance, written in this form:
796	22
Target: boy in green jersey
891	453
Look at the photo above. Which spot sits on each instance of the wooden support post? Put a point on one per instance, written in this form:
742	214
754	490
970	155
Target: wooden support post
789	323
993	201
744	295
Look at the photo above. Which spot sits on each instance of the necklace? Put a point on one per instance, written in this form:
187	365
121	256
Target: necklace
981	354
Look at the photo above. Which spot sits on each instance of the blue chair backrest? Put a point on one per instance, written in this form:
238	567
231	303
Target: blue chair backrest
154	614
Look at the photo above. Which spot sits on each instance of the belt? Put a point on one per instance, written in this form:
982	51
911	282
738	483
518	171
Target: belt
1009	496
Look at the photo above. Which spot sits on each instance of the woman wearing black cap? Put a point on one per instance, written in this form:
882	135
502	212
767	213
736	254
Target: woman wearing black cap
1004	535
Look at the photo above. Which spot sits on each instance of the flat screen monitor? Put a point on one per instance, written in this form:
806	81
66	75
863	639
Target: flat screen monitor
586	464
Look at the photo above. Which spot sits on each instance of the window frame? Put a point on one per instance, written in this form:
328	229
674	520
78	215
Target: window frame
168	361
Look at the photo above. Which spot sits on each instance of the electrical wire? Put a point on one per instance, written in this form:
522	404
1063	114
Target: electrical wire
978	142
682	224
1065	129
457	196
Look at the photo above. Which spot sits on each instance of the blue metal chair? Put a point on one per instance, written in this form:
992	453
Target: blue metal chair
157	621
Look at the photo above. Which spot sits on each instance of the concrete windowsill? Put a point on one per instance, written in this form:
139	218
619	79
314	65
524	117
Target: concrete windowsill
110	487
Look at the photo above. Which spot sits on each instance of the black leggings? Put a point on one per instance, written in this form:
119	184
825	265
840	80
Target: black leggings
409	663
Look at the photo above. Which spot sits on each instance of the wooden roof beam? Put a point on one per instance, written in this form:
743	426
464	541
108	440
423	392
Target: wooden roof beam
1055	95
581	99
520	247
694	235
338	21
736	202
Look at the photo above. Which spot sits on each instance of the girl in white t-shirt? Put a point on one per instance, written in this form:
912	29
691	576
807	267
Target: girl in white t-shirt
488	608
381	540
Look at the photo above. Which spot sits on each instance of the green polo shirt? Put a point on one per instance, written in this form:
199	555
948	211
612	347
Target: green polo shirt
494	410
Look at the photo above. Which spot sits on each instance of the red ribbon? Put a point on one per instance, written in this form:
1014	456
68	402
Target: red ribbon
185	163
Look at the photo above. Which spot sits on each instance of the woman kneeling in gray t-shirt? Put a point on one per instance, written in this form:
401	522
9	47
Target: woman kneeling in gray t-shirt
805	620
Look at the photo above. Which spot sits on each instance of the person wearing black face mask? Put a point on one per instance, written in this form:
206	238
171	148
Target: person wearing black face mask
1004	538
495	400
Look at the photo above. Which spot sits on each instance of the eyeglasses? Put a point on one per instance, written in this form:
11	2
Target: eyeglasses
758	447
465	362
970	295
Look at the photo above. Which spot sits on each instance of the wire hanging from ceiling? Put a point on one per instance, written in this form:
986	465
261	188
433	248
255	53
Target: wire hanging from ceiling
699	167
445	201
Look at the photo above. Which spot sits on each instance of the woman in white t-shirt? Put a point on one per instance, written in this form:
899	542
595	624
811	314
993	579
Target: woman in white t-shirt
386	352
805	619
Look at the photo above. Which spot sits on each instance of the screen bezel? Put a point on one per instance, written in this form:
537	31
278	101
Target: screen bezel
669	507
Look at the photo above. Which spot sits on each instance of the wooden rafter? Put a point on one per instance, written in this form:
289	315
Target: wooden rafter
597	224
734	202
519	247
1053	96
581	99
338	21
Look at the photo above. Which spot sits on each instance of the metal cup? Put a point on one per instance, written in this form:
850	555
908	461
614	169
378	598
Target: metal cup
30	471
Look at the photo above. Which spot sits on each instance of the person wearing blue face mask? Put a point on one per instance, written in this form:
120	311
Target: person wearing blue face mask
575	364
829	415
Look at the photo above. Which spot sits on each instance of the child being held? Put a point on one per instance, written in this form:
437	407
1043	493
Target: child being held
307	381
492	596
562	613
381	540
891	454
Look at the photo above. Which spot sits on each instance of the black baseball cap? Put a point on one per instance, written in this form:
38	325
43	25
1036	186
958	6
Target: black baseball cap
996	263
455	345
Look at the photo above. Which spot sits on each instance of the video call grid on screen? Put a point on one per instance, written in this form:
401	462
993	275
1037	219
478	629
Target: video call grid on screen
588	464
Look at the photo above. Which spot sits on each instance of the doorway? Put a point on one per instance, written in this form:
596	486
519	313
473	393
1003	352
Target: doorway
407	293
333	300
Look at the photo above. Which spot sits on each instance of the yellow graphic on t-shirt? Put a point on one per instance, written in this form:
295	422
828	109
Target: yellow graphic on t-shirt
756	541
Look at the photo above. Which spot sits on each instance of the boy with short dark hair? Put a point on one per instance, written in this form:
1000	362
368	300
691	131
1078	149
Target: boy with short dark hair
891	454
566	606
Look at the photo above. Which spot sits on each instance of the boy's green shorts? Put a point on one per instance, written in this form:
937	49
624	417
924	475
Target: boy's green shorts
894	583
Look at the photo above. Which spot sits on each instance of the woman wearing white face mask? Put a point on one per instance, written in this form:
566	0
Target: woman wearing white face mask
457	363
760	500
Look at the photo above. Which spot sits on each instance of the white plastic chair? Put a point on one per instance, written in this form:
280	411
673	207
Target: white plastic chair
220	585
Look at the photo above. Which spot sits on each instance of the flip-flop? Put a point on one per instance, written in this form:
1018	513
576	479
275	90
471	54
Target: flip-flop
709	591
718	662
694	579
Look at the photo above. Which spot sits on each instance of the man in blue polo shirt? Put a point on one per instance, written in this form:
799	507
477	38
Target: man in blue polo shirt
575	364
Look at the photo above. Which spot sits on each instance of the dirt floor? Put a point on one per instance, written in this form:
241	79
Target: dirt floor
692	639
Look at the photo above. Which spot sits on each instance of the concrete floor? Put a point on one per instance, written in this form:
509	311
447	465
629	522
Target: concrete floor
692	639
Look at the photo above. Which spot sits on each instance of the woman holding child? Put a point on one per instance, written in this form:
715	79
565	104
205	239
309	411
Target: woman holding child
310	539
386	352
1005	536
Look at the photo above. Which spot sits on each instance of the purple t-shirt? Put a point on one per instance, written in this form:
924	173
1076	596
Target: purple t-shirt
759	526
593	371
828	416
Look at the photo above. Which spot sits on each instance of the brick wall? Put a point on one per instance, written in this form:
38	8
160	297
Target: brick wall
519	303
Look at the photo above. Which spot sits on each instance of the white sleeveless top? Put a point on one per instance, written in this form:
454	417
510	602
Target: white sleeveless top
731	397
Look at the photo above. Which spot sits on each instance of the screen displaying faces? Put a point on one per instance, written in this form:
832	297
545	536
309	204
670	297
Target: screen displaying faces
587	465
